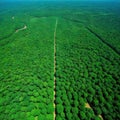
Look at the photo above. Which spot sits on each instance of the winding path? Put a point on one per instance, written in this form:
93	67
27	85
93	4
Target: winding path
55	67
25	27
9	35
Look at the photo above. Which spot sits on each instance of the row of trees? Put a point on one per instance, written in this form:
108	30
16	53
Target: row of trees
85	76
27	72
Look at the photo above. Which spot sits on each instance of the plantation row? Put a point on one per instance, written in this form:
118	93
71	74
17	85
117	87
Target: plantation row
87	72
103	20
26	73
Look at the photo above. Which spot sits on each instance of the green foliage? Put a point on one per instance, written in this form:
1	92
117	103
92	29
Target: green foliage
82	115
87	61
50	109
59	108
26	67
35	112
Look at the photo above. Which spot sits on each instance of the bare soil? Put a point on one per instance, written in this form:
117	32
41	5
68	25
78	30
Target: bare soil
55	66
25	27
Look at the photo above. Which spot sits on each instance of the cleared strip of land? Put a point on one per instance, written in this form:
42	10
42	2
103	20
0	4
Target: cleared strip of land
74	20
104	41
93	32
55	66
6	37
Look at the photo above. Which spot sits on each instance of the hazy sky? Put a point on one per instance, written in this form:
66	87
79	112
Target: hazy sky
59	0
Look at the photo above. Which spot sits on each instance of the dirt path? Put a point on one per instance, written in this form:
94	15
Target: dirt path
87	105
100	117
55	66
25	27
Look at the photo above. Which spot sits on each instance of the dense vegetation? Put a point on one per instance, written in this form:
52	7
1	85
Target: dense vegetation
26	71
87	72
87	68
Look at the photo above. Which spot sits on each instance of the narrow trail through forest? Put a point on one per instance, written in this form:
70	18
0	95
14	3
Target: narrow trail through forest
55	66
7	36
25	27
97	35
6	40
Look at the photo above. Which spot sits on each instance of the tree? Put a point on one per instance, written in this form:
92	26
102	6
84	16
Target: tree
35	112
98	111
82	115
91	91
76	103
50	109
59	108
58	117
58	100
97	118
96	102
68	116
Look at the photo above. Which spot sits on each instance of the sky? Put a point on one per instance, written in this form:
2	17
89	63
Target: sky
57	0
